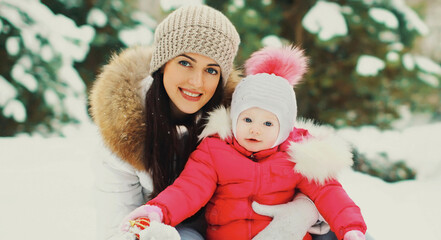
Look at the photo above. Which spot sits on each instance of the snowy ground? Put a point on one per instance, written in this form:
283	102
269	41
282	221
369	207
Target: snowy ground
47	185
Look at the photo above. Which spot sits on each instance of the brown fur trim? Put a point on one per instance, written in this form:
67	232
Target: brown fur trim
117	106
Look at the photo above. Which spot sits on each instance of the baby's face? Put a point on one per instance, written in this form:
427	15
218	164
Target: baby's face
257	129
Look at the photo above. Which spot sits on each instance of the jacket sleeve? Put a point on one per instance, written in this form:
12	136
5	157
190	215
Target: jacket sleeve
335	205
192	189
117	192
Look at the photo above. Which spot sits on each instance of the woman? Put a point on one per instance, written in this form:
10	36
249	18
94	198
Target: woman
150	105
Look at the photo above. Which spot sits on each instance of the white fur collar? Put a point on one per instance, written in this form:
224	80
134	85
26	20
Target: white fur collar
318	158
322	156
219	122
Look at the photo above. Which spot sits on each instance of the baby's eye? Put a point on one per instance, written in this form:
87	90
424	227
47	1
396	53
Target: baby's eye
268	124
184	63
248	120
212	71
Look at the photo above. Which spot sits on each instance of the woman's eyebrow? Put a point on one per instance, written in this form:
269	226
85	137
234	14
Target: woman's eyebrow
194	60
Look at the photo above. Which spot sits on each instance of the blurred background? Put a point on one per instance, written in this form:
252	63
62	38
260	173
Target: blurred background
372	62
374	76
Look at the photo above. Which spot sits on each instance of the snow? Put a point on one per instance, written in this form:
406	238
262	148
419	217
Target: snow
65	40
25	79
388	36
76	106
396	46
266	2
71	77
414	22
16	110
7	91
392	56
408	62
47	184
139	35
417	145
239	3
429	79
97	17
384	16
369	65
68	39
47	54
52	100
46	188
431	71
13	45
326	20
168	5
427	65
144	19
272	40
59	30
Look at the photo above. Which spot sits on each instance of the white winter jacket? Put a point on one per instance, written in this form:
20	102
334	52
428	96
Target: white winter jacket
120	189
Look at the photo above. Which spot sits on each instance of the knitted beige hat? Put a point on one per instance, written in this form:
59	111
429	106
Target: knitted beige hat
196	29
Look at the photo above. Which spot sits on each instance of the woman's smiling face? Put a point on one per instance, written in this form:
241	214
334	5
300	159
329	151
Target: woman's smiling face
190	81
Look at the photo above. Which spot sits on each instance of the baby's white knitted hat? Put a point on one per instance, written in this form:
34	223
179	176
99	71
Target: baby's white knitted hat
271	76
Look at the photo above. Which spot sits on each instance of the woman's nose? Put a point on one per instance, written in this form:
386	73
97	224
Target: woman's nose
196	79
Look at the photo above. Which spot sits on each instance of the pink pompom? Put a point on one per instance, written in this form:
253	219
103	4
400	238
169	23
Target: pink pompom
288	62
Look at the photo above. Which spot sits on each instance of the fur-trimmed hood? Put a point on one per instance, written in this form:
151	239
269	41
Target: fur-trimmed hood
117	102
319	157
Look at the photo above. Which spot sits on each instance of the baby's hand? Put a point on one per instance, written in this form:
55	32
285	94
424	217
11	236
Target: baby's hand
354	235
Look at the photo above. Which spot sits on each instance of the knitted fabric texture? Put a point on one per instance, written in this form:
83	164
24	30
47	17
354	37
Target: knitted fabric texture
269	92
196	29
271	74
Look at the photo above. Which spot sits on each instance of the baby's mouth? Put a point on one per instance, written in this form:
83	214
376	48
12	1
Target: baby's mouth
252	140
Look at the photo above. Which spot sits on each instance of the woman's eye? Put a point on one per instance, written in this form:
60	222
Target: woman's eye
268	124
184	63
248	120
212	71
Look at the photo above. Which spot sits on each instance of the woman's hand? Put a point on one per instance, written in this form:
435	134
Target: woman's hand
290	220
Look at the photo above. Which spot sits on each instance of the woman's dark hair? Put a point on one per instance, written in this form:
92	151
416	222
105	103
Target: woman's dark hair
166	150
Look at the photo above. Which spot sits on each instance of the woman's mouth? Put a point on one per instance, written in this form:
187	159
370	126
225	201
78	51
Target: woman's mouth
253	140
189	95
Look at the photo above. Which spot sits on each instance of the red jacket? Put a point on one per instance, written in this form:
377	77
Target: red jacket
227	178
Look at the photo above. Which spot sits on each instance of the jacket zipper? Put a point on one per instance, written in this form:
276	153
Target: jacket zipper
257	184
